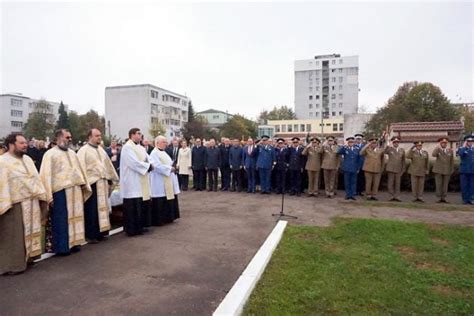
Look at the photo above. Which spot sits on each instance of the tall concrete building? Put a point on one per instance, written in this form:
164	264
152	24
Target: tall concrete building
142	106
326	86
15	109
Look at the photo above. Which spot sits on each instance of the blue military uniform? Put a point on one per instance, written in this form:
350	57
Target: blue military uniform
265	160
466	169
350	166
250	163
295	166
360	186
281	165
236	162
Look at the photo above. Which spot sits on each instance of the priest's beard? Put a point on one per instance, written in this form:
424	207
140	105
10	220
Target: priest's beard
18	153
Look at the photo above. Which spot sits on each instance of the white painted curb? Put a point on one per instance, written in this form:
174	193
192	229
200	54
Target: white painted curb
234	302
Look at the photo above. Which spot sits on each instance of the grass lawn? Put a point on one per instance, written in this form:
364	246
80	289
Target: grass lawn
369	267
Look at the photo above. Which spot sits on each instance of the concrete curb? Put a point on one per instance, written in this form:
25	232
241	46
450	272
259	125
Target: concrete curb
234	302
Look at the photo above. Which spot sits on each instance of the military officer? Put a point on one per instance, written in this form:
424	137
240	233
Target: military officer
313	152
372	167
350	167
281	165
360	186
395	168
330	166
443	168
418	169
466	169
295	166
265	163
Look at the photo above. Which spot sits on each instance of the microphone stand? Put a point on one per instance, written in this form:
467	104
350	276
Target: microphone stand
282	214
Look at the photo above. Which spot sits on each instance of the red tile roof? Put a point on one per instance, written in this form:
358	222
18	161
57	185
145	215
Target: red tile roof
427	126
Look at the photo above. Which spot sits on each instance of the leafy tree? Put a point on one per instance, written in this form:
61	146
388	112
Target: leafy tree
63	119
239	127
197	127
468	117
156	129
278	113
74	122
191	113
40	123
413	102
89	120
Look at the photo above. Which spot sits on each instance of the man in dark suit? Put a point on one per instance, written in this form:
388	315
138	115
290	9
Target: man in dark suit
224	150
236	159
250	161
212	164
147	146
295	165
173	150
198	159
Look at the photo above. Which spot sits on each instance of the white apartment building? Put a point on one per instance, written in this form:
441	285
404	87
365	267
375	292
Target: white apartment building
15	109
141	106
326	86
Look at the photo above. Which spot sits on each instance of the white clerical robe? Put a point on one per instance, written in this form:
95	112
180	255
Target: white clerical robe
162	165
134	167
21	184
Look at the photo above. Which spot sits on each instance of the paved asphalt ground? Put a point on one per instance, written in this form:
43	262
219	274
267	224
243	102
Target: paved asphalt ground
185	268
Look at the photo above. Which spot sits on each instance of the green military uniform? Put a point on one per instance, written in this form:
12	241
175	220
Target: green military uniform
313	166
372	169
330	166
418	170
395	167
443	168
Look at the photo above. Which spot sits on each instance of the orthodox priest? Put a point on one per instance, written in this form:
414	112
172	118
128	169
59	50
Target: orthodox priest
67	189
21	194
134	184
164	185
102	178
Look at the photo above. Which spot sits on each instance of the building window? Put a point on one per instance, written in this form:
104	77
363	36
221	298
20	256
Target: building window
333	70
333	79
316	114
333	96
340	113
317	63
308	128
16	113
341	127
154	108
341	79
340	95
340	61
333	62
334	127
310	74
290	128
317	105
340	70
310	82
332	88
154	94
317	97
311	97
310	106
317	80
283	128
317	88
340	105
340	87
215	117
277	128
333	105
16	124
310	89
16	102
310	114
295	128
301	127
333	113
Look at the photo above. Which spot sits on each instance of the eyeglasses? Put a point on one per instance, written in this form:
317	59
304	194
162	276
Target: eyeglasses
69	137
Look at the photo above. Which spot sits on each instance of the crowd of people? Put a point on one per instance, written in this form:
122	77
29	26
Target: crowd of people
67	191
69	195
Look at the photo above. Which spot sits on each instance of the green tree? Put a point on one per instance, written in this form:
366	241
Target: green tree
197	127
74	122
63	119
468	117
239	127
191	113
278	113
40	123
89	120
156	129
413	102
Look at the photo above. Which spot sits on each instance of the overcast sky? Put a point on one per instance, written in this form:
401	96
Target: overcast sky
237	57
